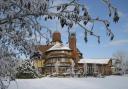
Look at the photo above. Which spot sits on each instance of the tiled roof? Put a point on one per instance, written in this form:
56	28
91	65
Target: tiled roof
43	48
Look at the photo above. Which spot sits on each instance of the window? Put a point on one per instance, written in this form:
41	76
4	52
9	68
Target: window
63	59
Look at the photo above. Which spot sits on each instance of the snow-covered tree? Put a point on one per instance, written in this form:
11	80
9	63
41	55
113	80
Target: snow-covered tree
121	59
26	70
7	67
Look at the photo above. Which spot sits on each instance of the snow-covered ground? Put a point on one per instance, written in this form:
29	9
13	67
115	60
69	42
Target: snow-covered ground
109	82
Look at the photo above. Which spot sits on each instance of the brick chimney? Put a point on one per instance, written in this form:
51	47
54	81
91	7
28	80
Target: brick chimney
56	37
72	41
72	45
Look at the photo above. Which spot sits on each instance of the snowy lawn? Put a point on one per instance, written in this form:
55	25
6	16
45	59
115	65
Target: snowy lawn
109	82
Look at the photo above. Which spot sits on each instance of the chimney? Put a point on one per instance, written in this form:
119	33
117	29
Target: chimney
72	46
56	37
72	42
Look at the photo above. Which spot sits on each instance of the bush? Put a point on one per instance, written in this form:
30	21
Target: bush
26	71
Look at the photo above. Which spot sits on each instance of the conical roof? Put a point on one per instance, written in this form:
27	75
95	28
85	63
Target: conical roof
59	46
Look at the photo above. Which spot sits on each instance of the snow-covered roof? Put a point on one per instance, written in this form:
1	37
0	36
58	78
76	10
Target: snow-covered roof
59	46
95	61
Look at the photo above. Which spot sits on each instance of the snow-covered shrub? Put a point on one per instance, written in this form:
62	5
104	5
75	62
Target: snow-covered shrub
26	70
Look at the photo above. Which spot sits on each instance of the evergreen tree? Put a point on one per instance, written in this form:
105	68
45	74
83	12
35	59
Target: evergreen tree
26	70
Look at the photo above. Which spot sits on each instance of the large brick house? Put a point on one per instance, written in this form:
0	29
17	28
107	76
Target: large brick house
57	52
57	57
